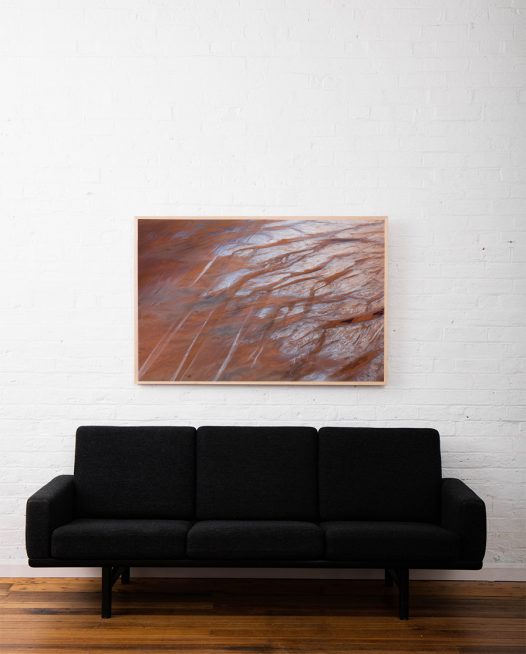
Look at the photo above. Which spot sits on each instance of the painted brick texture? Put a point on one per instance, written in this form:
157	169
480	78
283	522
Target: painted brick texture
415	109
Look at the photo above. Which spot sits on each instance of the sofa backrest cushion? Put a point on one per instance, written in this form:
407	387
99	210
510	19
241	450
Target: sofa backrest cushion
379	474
259	473
135	472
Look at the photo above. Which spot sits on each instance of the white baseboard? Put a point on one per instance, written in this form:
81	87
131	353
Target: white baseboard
12	568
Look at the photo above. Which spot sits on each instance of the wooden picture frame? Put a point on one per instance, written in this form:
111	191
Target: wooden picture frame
175	329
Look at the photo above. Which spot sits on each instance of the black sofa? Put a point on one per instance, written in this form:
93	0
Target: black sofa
253	497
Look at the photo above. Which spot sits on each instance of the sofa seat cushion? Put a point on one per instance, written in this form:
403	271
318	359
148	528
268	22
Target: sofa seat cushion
101	538
255	539
389	541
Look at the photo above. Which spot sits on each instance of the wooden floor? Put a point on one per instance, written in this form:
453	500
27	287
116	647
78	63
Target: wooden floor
61	616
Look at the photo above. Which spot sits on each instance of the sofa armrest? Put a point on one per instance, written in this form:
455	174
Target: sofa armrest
465	513
48	508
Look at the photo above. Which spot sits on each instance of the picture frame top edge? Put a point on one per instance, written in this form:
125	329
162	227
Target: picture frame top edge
245	217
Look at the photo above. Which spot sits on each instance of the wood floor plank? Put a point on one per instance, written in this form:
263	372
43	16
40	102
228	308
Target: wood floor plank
218	616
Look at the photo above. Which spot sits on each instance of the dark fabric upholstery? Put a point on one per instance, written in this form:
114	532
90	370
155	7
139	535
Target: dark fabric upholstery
46	509
381	498
256	473
135	472
389	541
379	474
120	539
255	539
465	513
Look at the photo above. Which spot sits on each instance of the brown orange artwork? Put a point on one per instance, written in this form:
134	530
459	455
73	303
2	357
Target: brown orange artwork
261	300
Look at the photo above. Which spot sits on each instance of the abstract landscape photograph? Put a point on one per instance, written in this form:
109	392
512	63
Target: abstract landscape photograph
261	300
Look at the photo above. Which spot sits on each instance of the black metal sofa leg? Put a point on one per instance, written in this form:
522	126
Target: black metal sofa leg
105	611
401	577
125	576
110	574
403	592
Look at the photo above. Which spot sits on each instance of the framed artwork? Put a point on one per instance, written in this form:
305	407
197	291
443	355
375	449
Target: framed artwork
261	300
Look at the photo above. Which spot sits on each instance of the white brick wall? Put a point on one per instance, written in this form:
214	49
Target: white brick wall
411	108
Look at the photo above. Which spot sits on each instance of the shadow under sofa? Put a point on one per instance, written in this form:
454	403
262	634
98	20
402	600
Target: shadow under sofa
280	497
